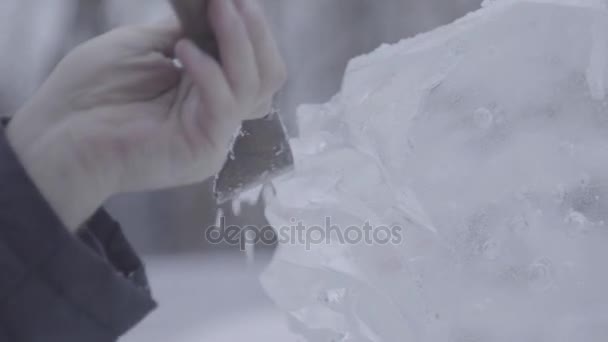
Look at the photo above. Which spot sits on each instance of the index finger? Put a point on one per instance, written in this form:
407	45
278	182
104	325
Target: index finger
158	37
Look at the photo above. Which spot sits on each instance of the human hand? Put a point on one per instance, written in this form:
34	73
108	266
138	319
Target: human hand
118	116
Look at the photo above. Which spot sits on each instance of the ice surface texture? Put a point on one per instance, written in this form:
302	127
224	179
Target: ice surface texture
487	140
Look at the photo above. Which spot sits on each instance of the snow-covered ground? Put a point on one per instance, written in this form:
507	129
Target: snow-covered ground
209	298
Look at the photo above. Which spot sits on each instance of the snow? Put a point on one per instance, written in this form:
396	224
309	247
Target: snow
487	140
209	298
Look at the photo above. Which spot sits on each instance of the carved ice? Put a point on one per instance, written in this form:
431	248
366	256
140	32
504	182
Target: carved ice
487	141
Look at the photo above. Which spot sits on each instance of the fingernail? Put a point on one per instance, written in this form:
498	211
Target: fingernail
181	47
185	49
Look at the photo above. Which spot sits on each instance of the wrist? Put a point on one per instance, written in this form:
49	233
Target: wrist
51	168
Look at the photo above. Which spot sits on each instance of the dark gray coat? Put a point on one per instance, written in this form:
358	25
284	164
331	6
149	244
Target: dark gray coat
57	287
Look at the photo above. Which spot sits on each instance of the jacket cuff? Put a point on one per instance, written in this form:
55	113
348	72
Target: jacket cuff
104	236
56	285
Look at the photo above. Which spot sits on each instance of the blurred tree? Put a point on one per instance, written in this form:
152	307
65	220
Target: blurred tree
87	19
319	37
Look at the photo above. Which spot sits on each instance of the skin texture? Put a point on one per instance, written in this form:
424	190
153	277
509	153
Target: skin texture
118	116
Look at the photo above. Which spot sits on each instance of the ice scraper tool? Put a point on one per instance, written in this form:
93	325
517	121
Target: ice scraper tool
261	150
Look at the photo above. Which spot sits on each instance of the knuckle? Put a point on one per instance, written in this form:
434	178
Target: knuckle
249	89
124	33
256	82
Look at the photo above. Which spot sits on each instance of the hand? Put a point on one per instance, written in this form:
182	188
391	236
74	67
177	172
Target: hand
118	116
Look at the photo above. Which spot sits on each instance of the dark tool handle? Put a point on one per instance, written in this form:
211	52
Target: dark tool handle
193	15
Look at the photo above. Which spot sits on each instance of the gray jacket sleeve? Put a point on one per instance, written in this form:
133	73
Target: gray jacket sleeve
55	286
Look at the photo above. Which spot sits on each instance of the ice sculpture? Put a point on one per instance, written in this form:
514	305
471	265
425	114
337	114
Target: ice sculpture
487	140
